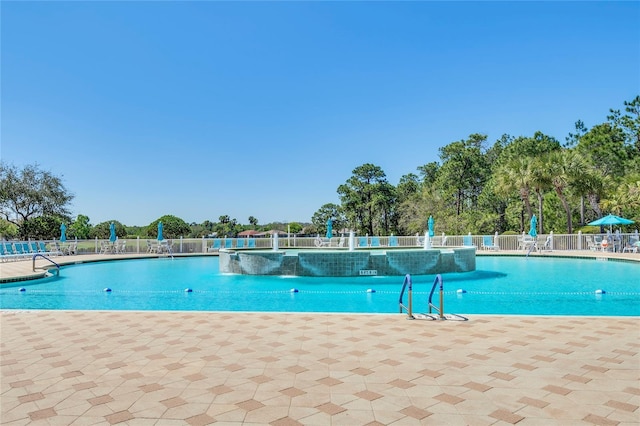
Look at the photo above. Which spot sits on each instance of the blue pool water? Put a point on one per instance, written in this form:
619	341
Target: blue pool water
500	285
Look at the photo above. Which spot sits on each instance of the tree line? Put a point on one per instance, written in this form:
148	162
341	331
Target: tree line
483	188
476	187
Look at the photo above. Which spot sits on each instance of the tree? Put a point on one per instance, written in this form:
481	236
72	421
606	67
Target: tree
604	146
253	221
80	228
564	167
574	138
8	230
408	187
40	228
30	193
103	230
326	212
628	123
172	227
429	172
517	176
360	197
463	172
295	227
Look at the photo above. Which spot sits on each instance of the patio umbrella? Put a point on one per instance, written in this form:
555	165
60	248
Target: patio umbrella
329	229
160	231
430	226
611	220
533	230
112	230
63	232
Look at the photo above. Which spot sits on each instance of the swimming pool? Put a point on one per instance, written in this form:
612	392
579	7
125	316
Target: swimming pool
500	285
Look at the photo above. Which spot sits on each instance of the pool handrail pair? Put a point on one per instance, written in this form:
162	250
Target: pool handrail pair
407	282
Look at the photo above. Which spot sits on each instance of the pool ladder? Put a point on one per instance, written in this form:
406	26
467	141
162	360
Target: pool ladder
407	284
33	263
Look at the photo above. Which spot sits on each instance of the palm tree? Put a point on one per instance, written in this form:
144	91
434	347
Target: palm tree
517	175
564	168
541	182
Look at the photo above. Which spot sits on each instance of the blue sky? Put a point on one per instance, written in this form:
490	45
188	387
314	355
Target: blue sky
201	109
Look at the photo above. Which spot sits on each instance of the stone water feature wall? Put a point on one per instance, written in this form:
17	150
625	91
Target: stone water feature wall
340	263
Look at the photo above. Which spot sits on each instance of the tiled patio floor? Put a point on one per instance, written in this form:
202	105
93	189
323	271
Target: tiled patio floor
176	368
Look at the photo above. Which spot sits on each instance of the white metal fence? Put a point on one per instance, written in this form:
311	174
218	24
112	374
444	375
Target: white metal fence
558	242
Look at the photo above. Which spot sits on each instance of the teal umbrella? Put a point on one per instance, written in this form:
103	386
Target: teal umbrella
112	229
430	225
611	220
63	232
160	231
533	231
329	228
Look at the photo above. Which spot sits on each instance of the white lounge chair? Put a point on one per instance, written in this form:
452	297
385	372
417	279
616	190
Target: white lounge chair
632	246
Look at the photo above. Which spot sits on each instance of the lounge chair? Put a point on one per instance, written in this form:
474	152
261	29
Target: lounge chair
71	248
215	246
341	242
228	243
363	241
375	241
546	246
42	248
166	247
251	243
240	243
18	250
489	244
106	247
121	247
467	241
525	242
393	241
632	245
7	252
319	242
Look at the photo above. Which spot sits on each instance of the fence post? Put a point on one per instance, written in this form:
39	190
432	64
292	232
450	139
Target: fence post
138	244
579	240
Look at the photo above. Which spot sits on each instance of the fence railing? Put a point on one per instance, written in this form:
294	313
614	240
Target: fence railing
556	242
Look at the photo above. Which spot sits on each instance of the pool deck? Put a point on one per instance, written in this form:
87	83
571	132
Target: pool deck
198	368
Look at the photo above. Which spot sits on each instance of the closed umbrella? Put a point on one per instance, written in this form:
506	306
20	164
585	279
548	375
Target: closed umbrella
329	229
112	230
160	231
430	226
63	232
533	230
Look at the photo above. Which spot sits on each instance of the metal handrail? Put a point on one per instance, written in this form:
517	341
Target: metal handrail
33	262
440	310
407	281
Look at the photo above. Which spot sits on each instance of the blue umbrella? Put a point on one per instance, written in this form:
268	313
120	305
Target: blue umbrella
63	232
533	231
112	229
430	225
329	228
160	231
611	220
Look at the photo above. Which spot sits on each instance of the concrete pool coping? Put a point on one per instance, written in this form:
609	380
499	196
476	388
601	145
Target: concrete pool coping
197	368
